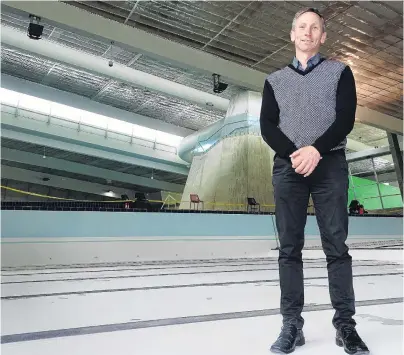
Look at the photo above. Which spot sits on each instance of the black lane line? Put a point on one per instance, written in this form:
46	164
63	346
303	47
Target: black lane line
139	269
157	262
184	264
355	263
146	288
164	274
164	263
107	328
163	268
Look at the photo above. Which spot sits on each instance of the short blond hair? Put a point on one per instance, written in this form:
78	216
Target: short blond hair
303	11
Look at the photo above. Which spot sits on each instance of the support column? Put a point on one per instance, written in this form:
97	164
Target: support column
232	162
397	156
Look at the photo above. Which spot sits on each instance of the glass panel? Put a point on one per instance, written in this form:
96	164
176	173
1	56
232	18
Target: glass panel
167	138
64	111
120	126
34	104
144	132
9	97
94	119
393	201
371	203
375	192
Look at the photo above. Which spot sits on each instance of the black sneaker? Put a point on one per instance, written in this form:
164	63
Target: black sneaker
287	341
348	338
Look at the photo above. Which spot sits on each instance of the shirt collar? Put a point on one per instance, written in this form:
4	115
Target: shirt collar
310	63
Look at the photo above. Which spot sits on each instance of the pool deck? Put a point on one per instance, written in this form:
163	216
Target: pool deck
201	307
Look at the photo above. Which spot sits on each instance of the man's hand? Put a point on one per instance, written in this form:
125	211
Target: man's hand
305	160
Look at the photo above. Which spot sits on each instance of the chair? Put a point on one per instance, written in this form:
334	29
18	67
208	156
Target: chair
195	200
253	205
140	196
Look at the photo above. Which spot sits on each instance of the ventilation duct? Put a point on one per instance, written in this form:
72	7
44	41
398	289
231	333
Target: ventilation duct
98	65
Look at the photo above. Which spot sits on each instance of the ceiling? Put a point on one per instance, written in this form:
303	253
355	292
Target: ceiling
366	35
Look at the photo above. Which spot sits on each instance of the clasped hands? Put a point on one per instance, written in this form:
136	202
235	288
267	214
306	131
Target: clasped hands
305	160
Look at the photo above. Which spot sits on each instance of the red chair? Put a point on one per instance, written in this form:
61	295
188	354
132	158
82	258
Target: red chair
195	200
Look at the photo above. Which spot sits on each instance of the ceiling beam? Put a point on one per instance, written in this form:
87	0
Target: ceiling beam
385	176
75	147
76	20
88	140
356	145
367	154
8	172
379	120
84	169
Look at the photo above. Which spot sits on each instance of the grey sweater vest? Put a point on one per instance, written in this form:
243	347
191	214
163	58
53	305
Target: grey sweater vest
307	101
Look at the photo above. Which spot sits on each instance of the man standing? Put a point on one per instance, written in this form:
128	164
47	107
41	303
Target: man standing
308	109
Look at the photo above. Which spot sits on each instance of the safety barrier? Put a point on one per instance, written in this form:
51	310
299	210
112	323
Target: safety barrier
68	204
213	204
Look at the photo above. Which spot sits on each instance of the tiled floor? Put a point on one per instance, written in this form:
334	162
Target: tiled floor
211	307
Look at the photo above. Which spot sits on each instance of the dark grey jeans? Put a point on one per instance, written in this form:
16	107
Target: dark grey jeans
328	186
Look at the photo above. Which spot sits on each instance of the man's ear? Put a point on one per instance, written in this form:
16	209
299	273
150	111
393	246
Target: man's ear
292	35
323	37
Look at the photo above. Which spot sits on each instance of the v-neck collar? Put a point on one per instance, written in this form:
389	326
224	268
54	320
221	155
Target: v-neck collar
301	72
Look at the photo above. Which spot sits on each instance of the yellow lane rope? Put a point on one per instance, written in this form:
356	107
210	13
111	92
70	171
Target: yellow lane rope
53	197
115	201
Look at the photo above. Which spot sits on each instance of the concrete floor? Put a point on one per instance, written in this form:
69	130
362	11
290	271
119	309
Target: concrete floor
214	307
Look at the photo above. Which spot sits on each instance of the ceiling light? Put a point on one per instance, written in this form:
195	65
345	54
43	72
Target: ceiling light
218	87
34	28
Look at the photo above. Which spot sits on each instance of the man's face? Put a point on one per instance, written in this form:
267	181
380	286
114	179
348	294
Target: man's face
308	33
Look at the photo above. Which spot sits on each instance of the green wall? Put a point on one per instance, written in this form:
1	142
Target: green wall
367	194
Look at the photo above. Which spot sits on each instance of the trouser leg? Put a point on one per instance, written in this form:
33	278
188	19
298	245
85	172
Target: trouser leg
329	190
291	200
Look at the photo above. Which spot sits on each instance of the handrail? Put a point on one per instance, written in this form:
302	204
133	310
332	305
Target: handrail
79	123
210	136
216	142
221	128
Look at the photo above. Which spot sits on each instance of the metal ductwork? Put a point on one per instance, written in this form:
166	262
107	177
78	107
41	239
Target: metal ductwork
90	63
242	117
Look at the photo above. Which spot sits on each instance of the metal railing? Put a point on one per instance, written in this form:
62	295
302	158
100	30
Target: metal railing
79	126
217	136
